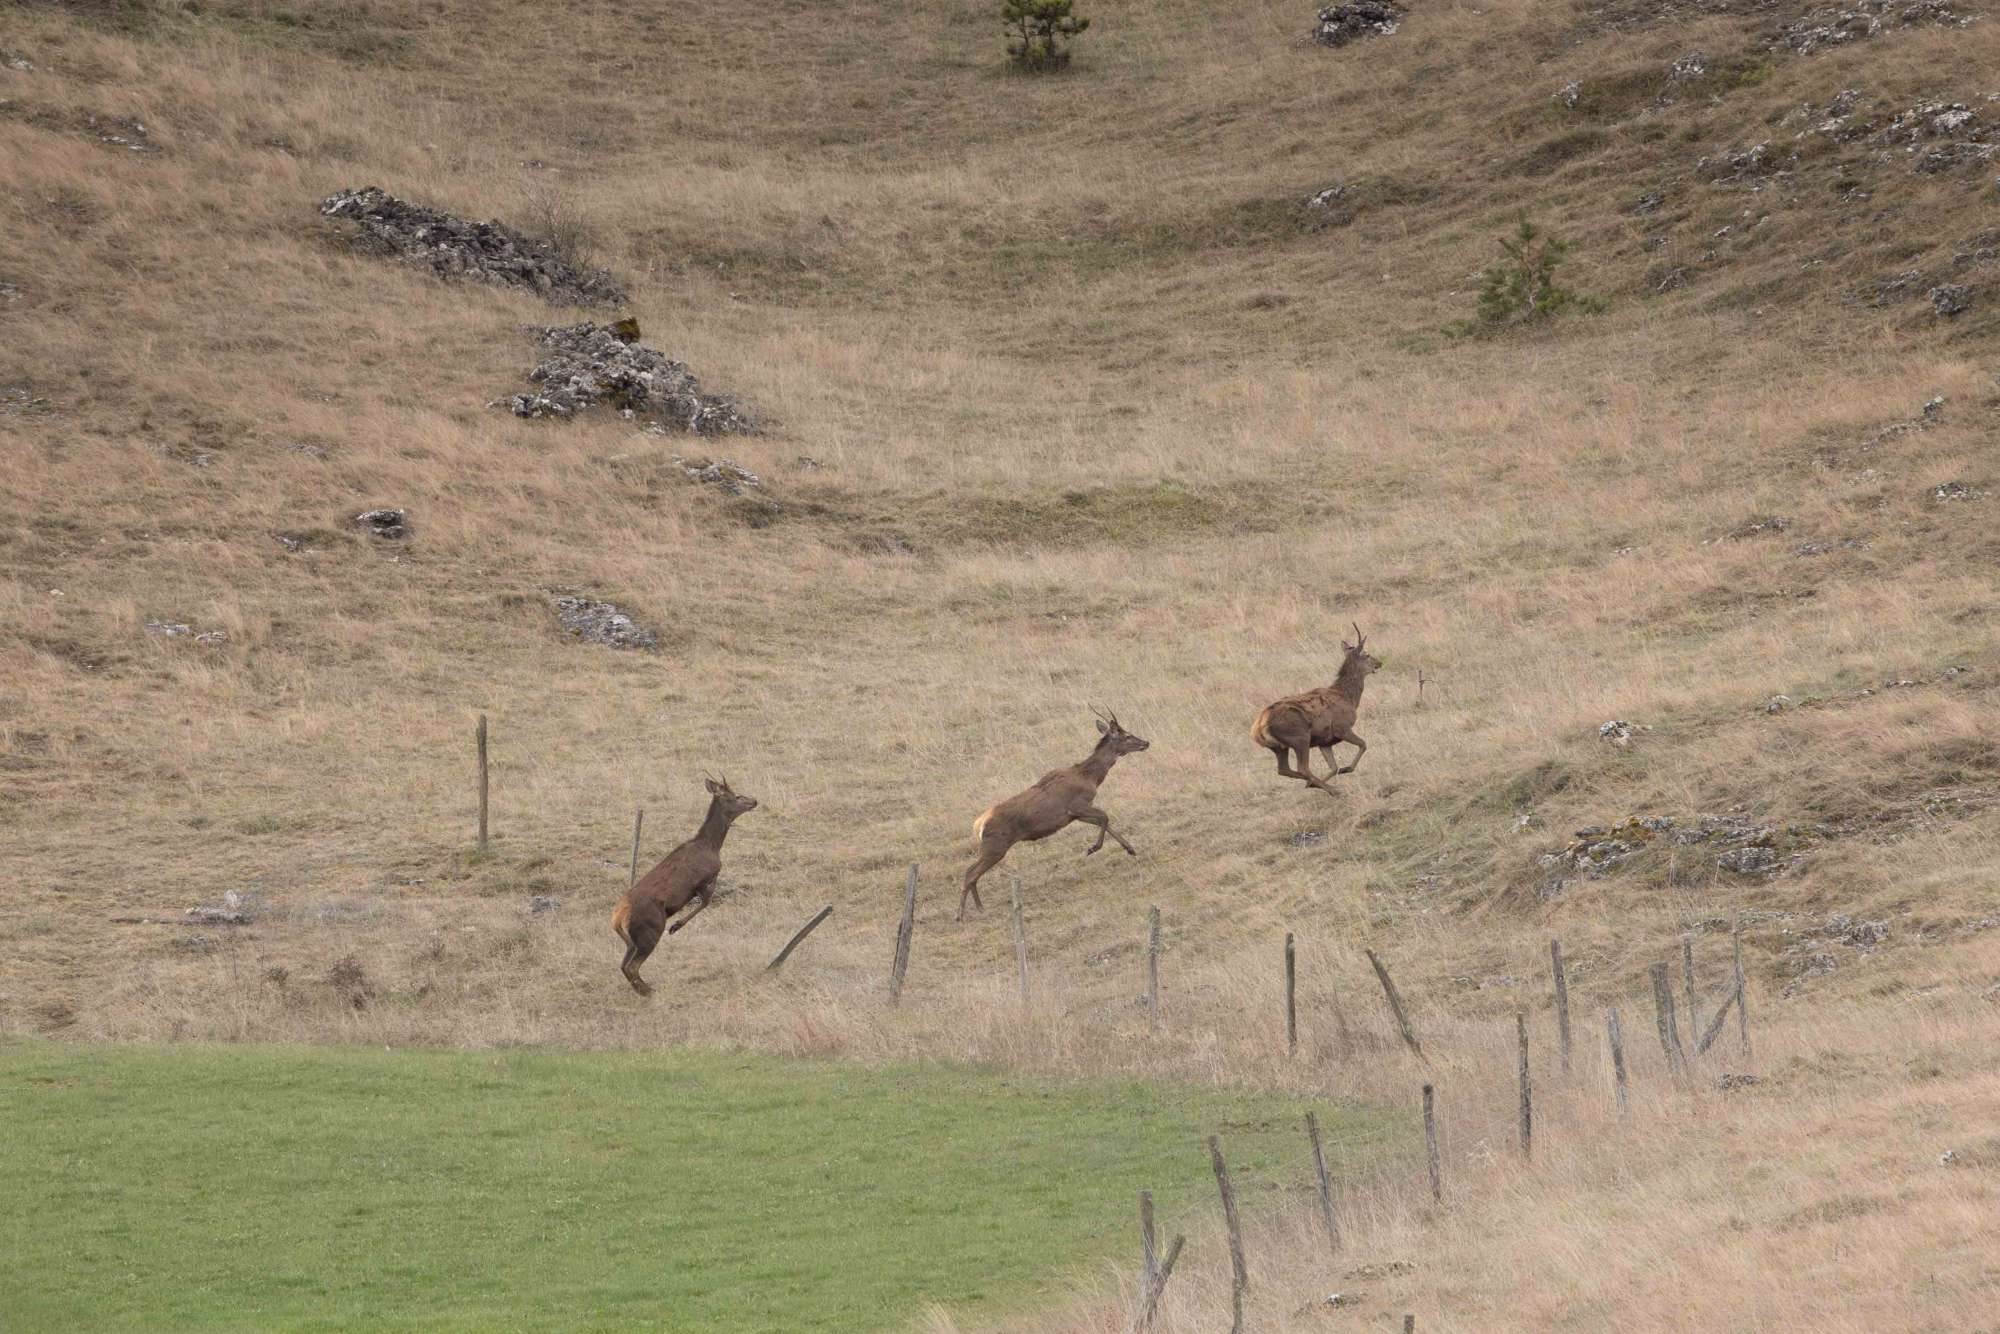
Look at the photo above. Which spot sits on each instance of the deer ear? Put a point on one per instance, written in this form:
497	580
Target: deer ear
713	787
1103	728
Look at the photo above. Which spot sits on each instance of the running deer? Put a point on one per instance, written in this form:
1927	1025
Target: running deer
1058	799
688	872
1321	718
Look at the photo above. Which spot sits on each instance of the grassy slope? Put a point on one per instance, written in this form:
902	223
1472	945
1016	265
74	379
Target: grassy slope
1155	435
263	1188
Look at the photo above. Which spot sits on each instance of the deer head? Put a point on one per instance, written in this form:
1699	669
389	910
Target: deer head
1121	741
1357	653
732	803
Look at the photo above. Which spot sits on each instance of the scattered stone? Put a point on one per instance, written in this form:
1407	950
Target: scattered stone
1672	280
484	251
224	916
212	638
1649	202
122	132
1617	731
730	476
307	448
1833	25
1949	491
1305	838
1949	299
1750	861
1338	1299
598	622
1730	1083
291	542
1821	548
1324	199
1370	1272
1777	703
171	629
1690	66
543	903
388	524
14	60
1761	523
587	364
1948	1157
1340	24
1567	95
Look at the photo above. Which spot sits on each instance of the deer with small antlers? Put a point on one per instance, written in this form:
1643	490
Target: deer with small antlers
1319	718
686	873
1058	799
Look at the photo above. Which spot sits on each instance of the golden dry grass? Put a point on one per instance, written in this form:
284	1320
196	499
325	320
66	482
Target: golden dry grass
1155	441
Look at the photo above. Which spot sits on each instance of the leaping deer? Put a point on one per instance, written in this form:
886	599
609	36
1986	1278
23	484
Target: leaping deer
1058	799
686	873
1321	718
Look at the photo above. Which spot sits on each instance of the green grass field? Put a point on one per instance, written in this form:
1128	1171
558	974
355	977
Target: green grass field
260	1187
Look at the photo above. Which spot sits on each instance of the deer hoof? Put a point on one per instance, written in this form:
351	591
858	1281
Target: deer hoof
1348	770
641	985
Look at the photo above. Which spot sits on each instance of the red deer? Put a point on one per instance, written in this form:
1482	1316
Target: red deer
1322	718
1058	799
688	872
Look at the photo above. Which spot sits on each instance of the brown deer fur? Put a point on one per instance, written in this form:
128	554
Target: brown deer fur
1058	799
686	873
1320	718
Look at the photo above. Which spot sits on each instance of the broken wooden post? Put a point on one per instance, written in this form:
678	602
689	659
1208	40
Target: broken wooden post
1326	1214
1020	941
1149	1293
1708	1036
1291	998
1431	1147
638	823
482	782
1396	1006
1527	1105
902	964
1149	1256
1617	1057
1239	1275
1153	966
1562	1000
1663	1019
1687	979
798	936
1409	1324
1742	996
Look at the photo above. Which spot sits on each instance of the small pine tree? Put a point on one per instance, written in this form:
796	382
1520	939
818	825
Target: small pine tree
1039	32
1524	287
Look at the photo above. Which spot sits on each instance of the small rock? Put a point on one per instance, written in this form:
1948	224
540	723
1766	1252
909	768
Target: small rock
1933	411
1950	299
1729	1083
1948	1157
171	629
14	60
543	903
212	638
731	476
587	365
807	463
1649	202
1950	491
1323	199
1338	1299
1340	24
1690	66
389	524
1777	703
1617	731
599	622
1567	95
1750	861
212	916
1305	838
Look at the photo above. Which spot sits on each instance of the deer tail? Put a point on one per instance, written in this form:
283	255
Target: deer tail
1260	731
621	916
979	825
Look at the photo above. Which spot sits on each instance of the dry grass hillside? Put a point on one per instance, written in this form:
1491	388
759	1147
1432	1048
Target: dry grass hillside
1067	398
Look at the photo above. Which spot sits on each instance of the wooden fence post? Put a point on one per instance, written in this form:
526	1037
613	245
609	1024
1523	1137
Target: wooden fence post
1527	1104
1617	1057
1239	1275
1149	1292
798	936
1291	998
1153	966
482	782
1742	996
909	923
1715	1025
638	823
1562	999
1326	1213
1149	1255
1020	941
1409	1324
1663	1019
1687	979
1396	1006
1431	1147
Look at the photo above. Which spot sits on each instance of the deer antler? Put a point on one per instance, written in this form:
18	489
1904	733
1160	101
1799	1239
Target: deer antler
1359	638
1109	718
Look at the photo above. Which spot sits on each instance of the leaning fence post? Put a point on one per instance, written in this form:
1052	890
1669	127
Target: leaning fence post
909	923
1240	1277
1153	966
798	936
482	782
638	823
1326	1214
1562	999
1708	1035
1663	1019
1527	1104
1617	1057
1687	978
1149	1292
1431	1146
1396	1006
1742	996
1020	941
1291	998
1149	1255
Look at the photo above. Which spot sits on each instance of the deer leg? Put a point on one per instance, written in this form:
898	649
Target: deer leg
704	895
989	857
1306	770
1332	764
1360	749
1092	815
642	935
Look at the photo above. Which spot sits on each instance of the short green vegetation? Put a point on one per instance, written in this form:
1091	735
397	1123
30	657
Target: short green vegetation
199	1187
1522	288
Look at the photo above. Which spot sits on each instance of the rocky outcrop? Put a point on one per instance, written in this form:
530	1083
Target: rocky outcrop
481	251
586	365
